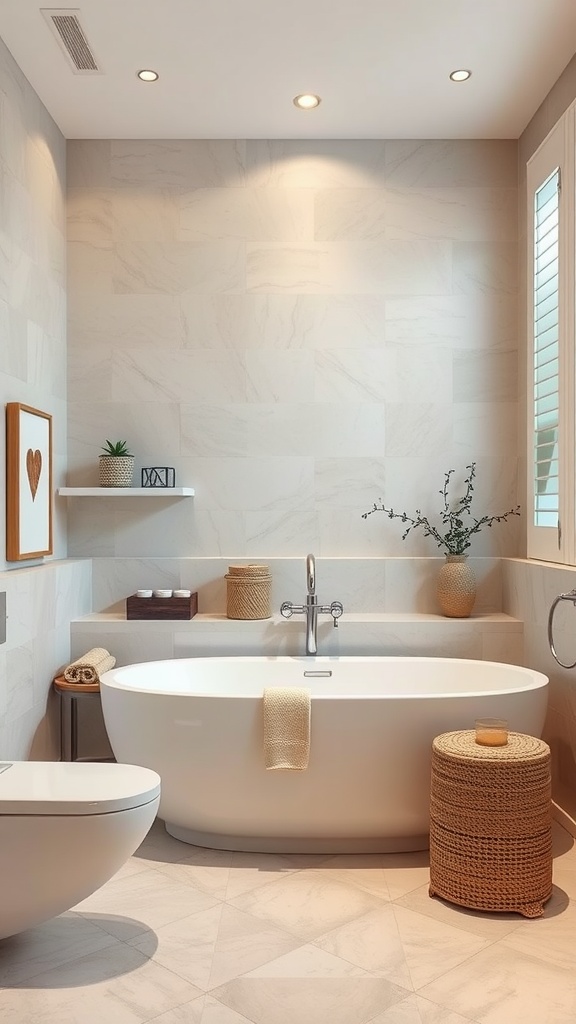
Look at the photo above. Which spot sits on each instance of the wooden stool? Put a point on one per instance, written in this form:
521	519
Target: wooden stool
491	823
70	694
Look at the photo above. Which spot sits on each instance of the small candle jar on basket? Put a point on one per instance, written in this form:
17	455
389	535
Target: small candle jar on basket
491	732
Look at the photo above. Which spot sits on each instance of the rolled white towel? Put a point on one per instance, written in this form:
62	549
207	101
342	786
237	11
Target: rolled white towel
90	666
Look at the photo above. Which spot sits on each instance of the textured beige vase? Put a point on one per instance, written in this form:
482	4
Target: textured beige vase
456	587
116	470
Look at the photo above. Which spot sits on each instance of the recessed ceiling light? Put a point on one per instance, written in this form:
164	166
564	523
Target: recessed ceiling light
148	76
460	76
306	101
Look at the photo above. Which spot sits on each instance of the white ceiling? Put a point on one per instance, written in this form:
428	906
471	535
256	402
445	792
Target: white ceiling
229	68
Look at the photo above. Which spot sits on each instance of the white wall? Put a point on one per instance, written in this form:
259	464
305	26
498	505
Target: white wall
41	599
300	328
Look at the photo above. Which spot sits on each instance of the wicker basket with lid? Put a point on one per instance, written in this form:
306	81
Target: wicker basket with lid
491	823
248	592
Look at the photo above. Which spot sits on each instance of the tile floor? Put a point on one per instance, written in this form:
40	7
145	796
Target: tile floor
183	935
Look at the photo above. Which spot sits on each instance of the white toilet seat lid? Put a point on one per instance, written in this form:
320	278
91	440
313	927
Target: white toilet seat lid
62	787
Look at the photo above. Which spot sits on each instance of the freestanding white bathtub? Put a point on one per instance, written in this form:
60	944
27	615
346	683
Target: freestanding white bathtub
198	722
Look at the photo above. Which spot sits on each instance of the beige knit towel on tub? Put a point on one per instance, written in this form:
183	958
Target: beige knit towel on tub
286	727
90	666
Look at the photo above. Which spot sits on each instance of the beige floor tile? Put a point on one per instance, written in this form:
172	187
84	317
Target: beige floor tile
140	902
551	937
207	870
205	1010
367	871
405	872
310	1000
416	1010
57	942
372	942
308	961
250	871
306	903
117	985
504	986
212	947
488	926
431	948
158	846
563	844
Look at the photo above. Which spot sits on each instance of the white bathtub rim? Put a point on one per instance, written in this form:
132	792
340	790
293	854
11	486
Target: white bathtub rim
292	845
532	678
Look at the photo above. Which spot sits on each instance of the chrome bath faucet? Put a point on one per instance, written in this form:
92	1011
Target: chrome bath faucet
311	609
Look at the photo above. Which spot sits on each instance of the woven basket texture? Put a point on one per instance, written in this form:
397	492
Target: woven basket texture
491	823
116	470
248	592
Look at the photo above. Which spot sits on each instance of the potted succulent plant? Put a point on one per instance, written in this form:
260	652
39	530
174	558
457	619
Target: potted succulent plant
116	465
456	588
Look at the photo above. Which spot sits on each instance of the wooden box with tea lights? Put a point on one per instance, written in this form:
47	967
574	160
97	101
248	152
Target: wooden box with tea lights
173	606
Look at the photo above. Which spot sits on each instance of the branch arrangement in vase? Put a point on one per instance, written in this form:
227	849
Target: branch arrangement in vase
458	523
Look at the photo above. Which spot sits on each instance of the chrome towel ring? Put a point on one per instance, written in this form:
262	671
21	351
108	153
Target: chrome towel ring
561	597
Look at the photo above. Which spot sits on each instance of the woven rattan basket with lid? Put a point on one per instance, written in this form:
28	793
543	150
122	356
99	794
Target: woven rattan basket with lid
491	823
248	592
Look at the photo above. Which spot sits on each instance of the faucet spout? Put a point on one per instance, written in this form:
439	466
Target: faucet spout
311	574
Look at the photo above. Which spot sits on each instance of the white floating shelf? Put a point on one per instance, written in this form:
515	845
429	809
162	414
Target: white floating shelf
126	492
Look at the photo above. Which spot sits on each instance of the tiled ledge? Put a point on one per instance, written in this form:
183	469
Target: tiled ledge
489	637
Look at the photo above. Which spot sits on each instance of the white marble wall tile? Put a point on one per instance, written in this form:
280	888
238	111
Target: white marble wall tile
180	163
259	214
469	162
313	163
88	166
506	648
89	215
90	268
114	579
350	214
90	530
415	429
281	533
317	321
216	321
175	267
485	267
45	362
354	376
216	532
124	321
281	430
146	375
284	377
90	373
19	693
163	528
345	530
254	484
145	214
349	483
486	377
461	214
347	430
14	348
215	430
149	645
485	428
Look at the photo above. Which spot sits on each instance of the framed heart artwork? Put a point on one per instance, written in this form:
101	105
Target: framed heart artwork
28	482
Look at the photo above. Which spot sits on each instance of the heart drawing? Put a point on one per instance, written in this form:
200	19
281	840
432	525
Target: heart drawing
34	469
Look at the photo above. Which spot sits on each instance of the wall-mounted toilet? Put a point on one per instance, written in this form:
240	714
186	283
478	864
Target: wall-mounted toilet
65	829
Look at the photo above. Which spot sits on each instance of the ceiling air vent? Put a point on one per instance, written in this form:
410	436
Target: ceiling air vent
69	34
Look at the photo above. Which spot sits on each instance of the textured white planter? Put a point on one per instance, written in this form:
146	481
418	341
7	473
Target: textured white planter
116	470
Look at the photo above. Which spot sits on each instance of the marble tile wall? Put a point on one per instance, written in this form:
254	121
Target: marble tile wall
41	599
300	328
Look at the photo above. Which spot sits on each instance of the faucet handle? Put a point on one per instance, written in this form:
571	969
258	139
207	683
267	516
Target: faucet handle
287	609
336	610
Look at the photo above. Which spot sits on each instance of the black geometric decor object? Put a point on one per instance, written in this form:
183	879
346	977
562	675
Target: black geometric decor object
159	476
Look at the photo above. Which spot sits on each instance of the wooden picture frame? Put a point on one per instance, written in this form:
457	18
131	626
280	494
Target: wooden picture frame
28	482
